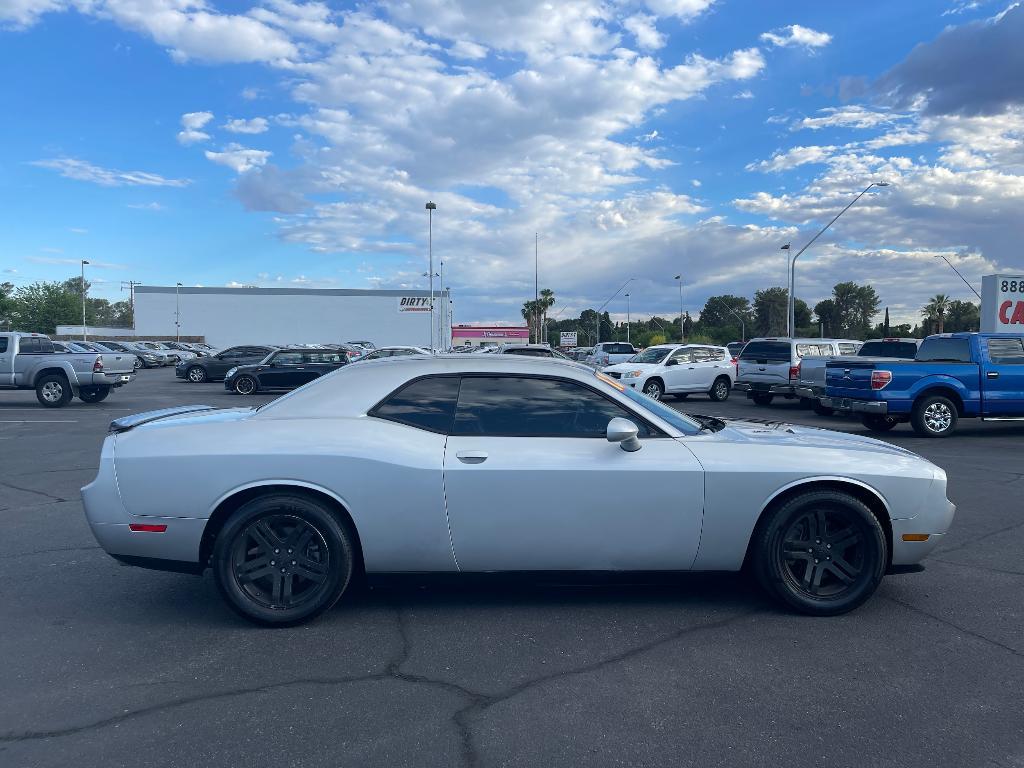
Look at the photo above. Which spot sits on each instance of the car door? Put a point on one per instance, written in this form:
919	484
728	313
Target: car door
317	363
283	371
678	371
1003	377
6	361
532	483
219	364
705	368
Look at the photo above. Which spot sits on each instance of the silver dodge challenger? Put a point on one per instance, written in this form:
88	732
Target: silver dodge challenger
503	463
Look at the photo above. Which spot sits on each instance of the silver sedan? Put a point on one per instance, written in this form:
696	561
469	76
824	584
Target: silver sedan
465	463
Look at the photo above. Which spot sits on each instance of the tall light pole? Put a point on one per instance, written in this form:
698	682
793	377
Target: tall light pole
959	275
431	207
451	311
682	335
792	269
788	248
131	296
85	331
536	276
621	287
177	312
627	318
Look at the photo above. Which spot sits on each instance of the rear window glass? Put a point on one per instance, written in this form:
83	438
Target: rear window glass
847	349
619	349
904	349
776	351
426	404
944	350
529	352
813	350
1000	351
3	344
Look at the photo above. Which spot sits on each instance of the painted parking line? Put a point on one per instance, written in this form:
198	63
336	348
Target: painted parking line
38	421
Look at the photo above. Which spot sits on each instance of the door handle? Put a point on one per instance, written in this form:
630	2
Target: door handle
992	375
471	457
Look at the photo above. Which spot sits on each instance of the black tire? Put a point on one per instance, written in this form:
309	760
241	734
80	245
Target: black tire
934	416
246	385
719	391
876	422
53	391
681	395
822	410
318	551
93	394
828	537
196	374
806	402
760	398
654	389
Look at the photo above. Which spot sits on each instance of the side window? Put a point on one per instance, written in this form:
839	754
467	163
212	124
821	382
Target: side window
3	344
682	356
287	358
28	346
509	406
848	349
701	355
720	354
425	403
229	353
1000	351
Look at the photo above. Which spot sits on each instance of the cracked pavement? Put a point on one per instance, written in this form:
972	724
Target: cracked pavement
106	665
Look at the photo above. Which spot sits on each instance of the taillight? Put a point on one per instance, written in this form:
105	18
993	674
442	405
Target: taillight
97	367
880	379
794	371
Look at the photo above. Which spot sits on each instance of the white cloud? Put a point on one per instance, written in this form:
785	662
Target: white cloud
251	94
147	206
681	9
792	158
253	126
853	116
464	49
192	124
82	170
643	29
795	35
20	14
746	94
240	159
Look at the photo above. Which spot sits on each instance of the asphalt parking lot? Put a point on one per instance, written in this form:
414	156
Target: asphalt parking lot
106	665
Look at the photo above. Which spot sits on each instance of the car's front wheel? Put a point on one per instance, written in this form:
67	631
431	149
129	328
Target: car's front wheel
282	559
196	374
245	385
53	391
822	553
654	389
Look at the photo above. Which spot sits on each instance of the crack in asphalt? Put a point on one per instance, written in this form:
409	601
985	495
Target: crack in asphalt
957	627
977	567
982	537
32	490
48	551
478	702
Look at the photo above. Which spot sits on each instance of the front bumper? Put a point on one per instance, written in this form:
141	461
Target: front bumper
179	371
851	405
934	522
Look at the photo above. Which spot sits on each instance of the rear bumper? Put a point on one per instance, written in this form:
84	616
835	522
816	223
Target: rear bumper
111	379
850	405
809	392
763	389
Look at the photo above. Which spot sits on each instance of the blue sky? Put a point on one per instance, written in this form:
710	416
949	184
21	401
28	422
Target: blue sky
285	143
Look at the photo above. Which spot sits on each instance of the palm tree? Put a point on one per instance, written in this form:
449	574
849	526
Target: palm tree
936	308
547	300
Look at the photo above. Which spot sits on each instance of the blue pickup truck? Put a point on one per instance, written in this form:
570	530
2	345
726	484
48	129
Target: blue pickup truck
953	376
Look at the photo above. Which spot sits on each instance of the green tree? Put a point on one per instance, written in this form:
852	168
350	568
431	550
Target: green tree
962	316
41	307
771	310
7	306
935	311
719	323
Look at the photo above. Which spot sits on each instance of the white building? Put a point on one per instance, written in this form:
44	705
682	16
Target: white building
230	316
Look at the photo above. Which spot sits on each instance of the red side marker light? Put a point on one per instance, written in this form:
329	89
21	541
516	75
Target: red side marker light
146	528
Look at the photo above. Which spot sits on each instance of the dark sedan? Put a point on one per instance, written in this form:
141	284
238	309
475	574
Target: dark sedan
214	367
284	369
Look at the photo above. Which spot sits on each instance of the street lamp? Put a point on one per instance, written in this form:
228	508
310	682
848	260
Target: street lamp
627	318
85	331
621	287
959	275
536	274
431	207
682	335
792	268
177	312
788	248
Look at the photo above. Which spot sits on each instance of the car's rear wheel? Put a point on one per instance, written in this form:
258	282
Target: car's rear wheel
822	553
53	391
822	410
93	394
934	416
876	422
761	398
654	389
720	389
282	559
196	374
245	385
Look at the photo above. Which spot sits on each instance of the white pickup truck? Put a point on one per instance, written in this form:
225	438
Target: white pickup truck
29	361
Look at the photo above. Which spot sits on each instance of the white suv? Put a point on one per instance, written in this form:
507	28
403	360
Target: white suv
678	369
610	353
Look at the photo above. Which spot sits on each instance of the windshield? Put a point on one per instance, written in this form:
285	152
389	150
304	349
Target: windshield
664	412
651	355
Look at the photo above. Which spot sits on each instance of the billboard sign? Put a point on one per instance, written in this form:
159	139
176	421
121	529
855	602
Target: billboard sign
1002	303
413	304
489	332
568	338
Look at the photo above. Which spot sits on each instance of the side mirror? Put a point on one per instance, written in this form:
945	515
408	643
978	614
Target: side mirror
624	432
672	361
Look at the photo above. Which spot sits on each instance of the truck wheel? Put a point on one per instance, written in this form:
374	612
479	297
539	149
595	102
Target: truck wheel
93	394
876	422
760	398
822	410
53	391
934	416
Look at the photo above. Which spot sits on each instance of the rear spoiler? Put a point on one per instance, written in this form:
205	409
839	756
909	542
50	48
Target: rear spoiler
129	422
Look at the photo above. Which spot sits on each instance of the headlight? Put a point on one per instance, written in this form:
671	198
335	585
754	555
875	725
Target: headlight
151	358
632	374
230	373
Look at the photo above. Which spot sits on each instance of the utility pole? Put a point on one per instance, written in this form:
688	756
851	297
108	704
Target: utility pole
431	207
85	330
536	281
682	330
627	318
177	313
788	248
130	284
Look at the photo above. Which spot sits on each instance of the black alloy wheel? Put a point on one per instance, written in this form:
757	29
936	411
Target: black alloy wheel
245	385
282	559
196	374
823	553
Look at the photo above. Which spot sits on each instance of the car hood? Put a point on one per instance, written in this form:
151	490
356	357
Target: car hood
623	367
783	434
